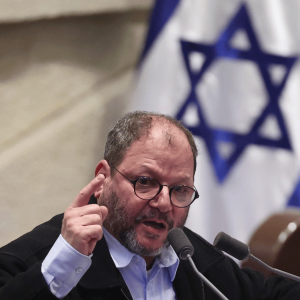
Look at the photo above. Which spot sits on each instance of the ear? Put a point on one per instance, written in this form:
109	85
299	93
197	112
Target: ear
104	169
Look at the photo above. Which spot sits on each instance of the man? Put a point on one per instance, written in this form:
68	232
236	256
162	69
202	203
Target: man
114	245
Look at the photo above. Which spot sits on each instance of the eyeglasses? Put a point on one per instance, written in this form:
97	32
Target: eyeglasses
147	188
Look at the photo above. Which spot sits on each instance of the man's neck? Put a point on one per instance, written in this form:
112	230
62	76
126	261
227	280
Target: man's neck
149	261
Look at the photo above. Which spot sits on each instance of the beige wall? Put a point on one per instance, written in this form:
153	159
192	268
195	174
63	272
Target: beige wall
63	82
20	10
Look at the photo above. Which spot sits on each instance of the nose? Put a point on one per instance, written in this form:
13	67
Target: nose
162	201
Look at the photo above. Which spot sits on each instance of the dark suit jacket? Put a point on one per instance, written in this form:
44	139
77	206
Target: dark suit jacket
21	278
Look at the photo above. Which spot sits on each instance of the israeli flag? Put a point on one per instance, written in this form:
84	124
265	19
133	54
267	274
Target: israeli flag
230	71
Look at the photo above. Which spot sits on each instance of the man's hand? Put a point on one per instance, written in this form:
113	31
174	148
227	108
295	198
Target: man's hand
82	223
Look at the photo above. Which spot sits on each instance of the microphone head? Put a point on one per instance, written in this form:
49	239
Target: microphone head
180	243
231	246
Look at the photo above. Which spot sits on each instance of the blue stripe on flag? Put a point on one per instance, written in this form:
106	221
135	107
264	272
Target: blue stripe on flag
161	13
295	198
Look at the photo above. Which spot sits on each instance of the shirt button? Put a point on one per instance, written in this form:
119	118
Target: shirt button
78	270
58	283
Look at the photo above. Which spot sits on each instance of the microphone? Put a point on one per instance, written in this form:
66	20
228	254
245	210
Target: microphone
180	243
231	246
184	250
241	251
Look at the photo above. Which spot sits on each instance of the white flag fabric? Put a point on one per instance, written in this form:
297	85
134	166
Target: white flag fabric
230	71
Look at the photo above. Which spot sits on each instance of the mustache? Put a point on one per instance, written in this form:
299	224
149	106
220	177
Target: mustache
154	214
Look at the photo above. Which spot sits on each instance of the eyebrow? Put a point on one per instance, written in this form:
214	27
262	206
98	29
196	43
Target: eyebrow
154	176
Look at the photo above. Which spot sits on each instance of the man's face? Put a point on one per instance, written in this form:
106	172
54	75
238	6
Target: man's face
141	225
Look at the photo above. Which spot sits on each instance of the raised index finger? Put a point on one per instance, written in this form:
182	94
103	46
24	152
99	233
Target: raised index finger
84	195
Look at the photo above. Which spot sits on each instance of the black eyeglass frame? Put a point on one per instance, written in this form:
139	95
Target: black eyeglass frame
160	188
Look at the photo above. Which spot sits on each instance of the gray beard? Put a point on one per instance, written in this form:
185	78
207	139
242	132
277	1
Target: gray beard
123	227
129	240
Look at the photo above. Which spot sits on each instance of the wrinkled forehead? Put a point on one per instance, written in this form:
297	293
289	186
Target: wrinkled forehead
164	130
167	141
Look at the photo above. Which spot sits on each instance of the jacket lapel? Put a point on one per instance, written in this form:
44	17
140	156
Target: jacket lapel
102	272
186	284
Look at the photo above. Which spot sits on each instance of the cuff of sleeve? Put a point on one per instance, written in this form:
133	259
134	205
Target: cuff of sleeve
65	263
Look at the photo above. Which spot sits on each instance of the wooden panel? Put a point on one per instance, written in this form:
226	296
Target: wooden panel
277	243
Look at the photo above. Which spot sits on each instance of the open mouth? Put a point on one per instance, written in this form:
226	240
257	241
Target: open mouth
154	225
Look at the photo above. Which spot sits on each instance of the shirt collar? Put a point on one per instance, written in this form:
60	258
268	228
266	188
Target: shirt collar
122	256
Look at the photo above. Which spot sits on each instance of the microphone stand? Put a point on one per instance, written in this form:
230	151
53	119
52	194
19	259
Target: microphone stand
241	251
274	270
203	278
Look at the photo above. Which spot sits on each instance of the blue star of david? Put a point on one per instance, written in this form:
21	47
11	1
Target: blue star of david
223	49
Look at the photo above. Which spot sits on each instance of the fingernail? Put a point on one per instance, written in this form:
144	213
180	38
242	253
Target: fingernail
100	176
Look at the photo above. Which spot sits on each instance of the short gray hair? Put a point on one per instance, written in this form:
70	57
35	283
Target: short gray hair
134	126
